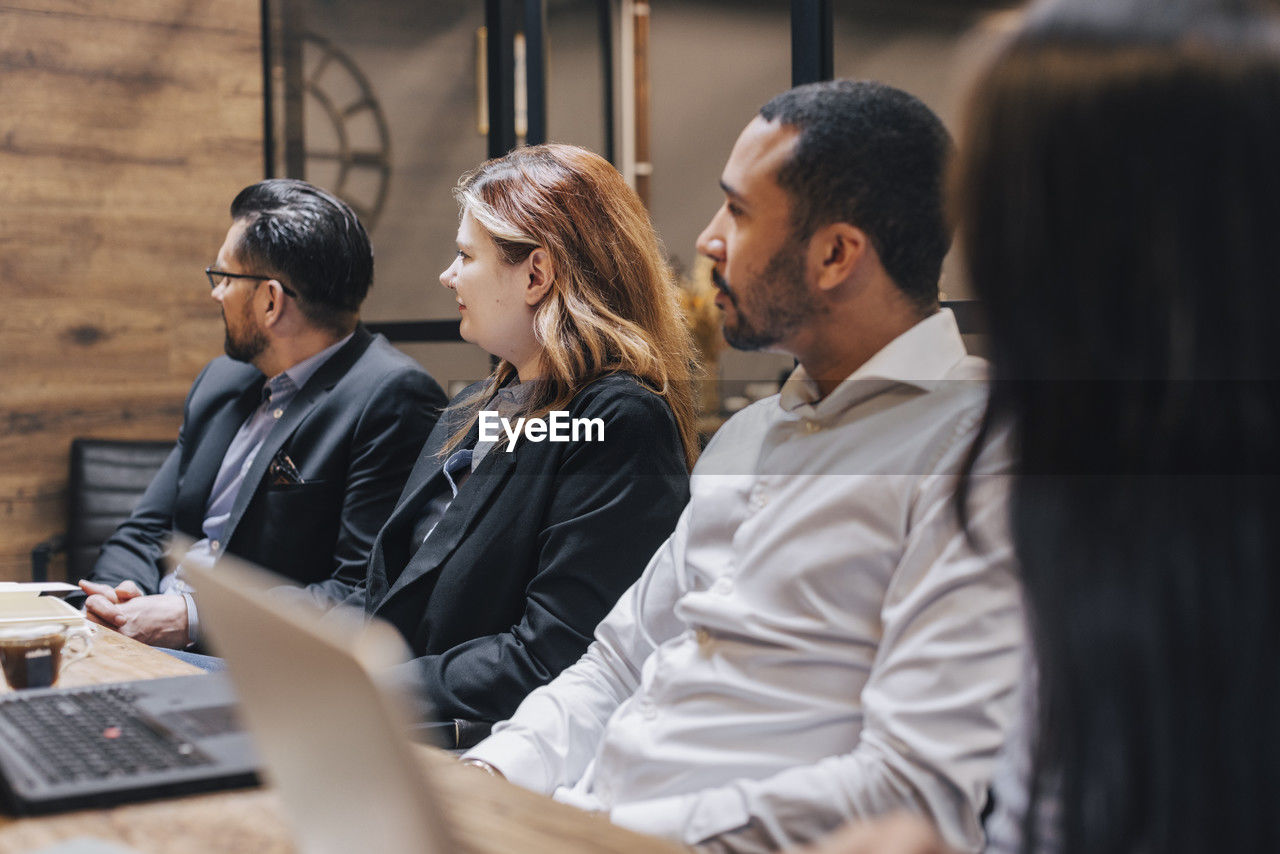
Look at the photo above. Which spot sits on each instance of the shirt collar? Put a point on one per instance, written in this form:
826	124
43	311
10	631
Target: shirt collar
922	357
301	372
515	394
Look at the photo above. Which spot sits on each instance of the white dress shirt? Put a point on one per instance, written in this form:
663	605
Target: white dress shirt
818	640
1012	784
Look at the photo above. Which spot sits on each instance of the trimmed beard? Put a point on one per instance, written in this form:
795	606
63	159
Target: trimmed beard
248	346
779	303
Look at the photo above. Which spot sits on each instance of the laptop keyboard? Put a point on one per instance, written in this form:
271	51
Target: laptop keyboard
91	734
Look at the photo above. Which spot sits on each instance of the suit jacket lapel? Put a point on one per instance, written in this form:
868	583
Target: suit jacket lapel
480	489
321	382
390	552
390	548
206	459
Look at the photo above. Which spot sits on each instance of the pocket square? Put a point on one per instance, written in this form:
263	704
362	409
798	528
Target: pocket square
282	471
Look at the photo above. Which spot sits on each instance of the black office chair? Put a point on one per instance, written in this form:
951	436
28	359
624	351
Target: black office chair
107	477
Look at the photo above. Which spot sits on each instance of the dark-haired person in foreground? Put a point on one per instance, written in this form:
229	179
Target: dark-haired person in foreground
1120	197
293	446
818	640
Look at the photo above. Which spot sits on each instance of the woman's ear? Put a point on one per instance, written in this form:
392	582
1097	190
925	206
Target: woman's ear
541	275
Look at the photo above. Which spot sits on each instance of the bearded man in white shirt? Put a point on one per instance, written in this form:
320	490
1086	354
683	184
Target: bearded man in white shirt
820	640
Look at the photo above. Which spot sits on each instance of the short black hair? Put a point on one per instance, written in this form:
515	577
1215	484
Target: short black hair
313	239
874	157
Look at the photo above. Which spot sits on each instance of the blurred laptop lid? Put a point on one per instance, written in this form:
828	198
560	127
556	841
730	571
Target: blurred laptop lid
332	741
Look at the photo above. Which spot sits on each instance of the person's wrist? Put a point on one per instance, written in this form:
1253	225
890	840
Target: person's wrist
485	767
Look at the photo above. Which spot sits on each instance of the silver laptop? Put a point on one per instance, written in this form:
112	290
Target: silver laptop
332	740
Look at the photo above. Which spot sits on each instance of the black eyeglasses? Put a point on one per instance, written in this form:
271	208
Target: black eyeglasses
216	276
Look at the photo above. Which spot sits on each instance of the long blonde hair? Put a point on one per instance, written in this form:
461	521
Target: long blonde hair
612	306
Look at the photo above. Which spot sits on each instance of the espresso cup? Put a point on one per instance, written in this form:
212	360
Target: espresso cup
32	656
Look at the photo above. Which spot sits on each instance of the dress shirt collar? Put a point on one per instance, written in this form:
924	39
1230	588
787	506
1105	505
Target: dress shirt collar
304	370
508	401
513	395
922	357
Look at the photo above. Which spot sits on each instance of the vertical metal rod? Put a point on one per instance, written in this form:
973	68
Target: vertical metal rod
521	89
268	86
482	82
604	17
535	58
295	154
644	165
811	41
502	85
626	91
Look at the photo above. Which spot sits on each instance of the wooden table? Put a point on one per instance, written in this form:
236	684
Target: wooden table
116	658
490	816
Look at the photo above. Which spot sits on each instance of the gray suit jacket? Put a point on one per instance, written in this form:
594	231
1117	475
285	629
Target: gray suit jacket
353	431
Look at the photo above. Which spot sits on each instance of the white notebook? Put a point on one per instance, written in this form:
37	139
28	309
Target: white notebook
28	607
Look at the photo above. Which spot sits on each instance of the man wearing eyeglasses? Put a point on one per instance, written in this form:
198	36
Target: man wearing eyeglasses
293	447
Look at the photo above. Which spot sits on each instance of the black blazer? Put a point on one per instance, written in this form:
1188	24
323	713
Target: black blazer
353	431
535	549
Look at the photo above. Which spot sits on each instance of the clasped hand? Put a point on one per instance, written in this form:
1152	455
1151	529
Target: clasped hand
155	619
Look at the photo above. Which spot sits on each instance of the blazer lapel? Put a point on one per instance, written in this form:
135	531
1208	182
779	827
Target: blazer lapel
390	547
206	459
299	408
480	489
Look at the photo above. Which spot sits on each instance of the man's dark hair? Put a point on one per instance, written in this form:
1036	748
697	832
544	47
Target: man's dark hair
874	157
311	238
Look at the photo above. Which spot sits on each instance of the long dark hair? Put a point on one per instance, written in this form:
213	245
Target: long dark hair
1118	195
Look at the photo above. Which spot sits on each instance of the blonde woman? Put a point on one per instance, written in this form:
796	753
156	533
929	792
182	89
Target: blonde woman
512	541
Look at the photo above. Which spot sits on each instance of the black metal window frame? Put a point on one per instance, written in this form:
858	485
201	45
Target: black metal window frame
812	41
812	59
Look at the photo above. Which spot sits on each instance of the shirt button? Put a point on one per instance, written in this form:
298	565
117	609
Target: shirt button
278	413
214	545
812	427
723	586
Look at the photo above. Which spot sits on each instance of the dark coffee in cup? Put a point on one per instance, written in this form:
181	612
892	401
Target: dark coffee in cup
31	656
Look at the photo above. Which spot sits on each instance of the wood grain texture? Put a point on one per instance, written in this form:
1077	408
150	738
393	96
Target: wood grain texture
125	131
116	658
488	815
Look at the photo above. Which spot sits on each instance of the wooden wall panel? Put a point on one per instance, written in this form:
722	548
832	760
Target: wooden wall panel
125	131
